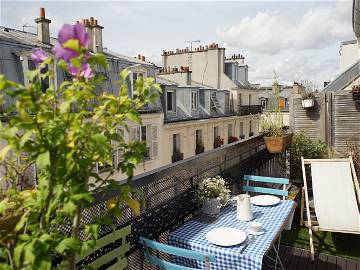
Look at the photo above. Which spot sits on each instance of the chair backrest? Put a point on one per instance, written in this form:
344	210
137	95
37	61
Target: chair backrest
271	180
117	253
334	187
186	253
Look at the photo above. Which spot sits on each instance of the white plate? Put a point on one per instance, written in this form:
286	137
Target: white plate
226	236
264	200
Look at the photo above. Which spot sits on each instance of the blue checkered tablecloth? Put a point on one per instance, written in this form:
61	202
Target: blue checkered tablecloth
192	235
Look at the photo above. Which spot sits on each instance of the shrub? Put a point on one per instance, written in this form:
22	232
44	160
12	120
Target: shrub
303	146
218	142
232	139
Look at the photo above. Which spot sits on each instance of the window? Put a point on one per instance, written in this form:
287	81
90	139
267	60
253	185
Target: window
170	101
147	134
239	99
227	102
241	130
176	143
135	76
216	132
198	137
230	130
194	100
251	133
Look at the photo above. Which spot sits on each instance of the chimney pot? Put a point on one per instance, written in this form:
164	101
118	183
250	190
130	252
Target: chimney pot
92	20
42	12
139	56
143	58
96	22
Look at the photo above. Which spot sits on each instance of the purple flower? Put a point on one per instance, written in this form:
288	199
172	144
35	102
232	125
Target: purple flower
66	33
85	71
76	31
38	56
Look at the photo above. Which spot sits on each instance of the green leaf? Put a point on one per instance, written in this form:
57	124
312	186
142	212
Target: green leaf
69	207
68	244
25	138
124	74
43	159
98	59
72	44
4	151
133	116
4	204
18	251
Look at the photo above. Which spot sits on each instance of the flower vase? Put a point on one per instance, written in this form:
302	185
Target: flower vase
211	206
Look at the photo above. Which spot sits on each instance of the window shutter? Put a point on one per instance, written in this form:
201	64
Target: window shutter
134	134
154	139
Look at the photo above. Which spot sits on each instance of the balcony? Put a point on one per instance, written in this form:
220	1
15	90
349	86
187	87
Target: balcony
249	109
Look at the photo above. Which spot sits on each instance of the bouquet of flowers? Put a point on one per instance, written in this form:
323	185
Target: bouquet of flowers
213	188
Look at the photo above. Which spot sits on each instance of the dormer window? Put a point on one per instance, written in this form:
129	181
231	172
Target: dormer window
194	100
170	101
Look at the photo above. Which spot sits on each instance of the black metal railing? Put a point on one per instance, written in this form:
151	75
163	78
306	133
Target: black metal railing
249	109
167	194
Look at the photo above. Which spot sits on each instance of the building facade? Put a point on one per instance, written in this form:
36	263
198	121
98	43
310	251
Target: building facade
187	119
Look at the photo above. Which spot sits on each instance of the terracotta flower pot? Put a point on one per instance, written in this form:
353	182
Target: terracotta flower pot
278	144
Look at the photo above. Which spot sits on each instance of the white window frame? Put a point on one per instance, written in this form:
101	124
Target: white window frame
173	101
151	139
194	100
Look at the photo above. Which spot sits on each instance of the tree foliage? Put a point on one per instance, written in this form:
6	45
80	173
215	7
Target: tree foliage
65	131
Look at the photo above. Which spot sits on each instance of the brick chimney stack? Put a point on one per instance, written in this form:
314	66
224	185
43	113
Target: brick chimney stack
43	30
97	35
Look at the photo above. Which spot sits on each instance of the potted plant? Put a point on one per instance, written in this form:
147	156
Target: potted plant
177	156
232	139
242	137
308	99
199	148
356	93
218	142
251	134
276	138
213	193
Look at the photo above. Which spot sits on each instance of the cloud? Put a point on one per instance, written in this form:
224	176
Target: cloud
272	32
292	68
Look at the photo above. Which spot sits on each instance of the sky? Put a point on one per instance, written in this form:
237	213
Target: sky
300	40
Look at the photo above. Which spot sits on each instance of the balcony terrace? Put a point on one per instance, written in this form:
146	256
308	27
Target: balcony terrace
249	109
168	200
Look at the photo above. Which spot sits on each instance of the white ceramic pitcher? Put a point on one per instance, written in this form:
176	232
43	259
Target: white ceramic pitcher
244	211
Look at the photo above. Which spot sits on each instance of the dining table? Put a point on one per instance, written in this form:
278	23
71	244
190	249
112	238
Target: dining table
245	256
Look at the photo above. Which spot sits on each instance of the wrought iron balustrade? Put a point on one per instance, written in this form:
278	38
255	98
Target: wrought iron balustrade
249	109
167	194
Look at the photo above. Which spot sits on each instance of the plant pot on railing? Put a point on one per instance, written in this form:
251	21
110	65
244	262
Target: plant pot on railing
199	149
355	92
308	100
218	142
278	144
307	103
232	139
177	156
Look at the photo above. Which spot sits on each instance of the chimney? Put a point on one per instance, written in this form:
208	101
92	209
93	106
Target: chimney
242	60
43	31
89	30
97	36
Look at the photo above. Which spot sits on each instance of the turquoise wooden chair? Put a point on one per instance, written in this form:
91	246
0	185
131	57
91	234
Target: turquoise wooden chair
186	253
254	178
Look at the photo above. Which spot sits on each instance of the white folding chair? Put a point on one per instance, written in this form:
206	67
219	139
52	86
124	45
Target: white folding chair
336	196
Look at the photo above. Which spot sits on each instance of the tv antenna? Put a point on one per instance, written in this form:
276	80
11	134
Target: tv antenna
26	25
191	43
